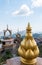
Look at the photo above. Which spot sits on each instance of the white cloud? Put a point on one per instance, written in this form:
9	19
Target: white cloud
37	3
23	11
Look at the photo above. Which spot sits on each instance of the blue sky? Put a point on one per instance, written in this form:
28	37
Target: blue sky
17	14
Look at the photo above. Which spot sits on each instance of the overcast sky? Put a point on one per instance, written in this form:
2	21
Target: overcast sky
17	14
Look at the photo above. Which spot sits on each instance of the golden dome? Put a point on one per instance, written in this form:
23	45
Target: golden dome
28	49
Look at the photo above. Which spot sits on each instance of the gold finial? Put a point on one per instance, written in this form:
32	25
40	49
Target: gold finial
28	31
28	49
28	27
28	24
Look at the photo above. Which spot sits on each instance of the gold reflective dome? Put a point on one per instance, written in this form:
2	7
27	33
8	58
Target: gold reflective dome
28	49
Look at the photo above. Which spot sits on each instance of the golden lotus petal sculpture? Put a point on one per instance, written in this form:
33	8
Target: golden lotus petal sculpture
28	49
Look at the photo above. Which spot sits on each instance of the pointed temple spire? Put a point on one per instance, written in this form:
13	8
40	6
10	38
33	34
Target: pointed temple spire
8	31
28	31
29	27
7	27
28	50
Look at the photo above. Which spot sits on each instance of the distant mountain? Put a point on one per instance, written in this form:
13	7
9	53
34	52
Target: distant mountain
1	33
22	32
13	35
35	35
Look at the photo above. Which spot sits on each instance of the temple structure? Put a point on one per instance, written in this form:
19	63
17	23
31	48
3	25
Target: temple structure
8	31
28	50
7	40
17	41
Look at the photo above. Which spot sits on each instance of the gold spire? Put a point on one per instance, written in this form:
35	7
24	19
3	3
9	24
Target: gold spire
28	49
28	32
28	27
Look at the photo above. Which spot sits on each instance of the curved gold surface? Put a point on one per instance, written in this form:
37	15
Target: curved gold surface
28	49
29	62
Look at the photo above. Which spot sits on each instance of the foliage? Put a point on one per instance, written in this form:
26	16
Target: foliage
1	59
6	56
40	48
